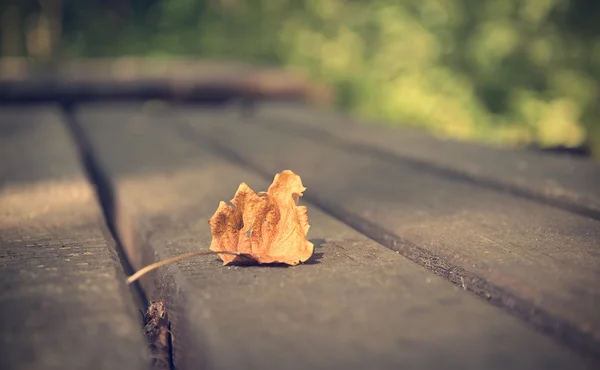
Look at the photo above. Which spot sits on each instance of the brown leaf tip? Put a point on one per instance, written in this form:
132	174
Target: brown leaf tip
267	227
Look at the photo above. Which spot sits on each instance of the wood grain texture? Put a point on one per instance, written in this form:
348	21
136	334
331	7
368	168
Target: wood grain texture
538	261
567	182
354	305
63	301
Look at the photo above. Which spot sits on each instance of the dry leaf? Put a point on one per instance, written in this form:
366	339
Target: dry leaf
156	330
266	227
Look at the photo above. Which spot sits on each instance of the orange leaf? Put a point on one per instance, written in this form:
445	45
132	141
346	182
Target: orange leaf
266	227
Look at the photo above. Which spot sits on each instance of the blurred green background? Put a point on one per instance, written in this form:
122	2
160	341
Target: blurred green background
503	71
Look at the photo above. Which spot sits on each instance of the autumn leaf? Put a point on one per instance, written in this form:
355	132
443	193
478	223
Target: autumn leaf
267	227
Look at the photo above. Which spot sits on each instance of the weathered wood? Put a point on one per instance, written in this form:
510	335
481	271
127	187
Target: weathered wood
355	305
563	181
540	262
63	301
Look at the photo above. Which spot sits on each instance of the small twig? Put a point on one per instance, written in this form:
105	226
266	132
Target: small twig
154	266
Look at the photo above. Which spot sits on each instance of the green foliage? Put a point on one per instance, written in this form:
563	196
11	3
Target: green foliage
507	71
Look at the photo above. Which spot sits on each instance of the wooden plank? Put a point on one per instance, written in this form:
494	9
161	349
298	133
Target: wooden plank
63	299
356	305
567	182
202	81
537	261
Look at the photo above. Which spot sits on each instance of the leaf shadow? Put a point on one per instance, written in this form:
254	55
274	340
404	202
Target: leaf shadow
313	260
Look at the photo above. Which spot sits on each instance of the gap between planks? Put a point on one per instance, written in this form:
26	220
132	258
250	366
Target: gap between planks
334	128
104	192
106	198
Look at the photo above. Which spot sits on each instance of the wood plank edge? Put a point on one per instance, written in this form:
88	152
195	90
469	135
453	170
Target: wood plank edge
99	182
211	93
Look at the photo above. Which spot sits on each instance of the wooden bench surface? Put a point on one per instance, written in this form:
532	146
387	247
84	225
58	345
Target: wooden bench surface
531	257
429	253
361	304
64	304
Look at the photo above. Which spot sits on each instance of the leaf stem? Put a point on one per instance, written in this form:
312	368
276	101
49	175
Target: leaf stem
154	266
